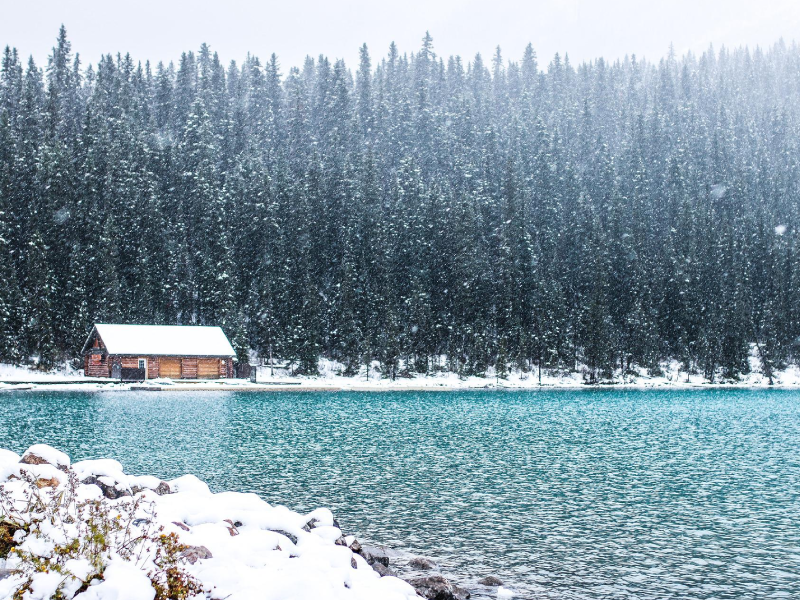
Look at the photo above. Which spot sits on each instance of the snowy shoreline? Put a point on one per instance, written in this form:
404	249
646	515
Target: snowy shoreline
314	386
330	380
225	545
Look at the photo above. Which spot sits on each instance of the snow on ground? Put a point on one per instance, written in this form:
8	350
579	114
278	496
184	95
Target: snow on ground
330	378
673	376
18	373
236	545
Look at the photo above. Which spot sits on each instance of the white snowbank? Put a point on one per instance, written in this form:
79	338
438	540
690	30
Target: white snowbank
673	376
19	373
248	549
123	581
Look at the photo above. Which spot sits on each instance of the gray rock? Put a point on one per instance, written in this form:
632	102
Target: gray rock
420	563
434	587
310	525
195	553
461	593
383	570
161	490
490	581
373	555
292	538
109	491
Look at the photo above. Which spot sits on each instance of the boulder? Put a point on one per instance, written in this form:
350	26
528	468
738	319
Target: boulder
382	570
291	536
42	454
434	587
420	563
107	486
161	489
8	458
461	593
194	553
490	581
312	523
374	555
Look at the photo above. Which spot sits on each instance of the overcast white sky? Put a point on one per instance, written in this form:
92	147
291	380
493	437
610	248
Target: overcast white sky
161	30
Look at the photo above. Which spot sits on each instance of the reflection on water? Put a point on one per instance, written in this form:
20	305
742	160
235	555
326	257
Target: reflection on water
566	494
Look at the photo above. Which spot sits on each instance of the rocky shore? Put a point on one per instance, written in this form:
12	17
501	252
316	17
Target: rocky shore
91	532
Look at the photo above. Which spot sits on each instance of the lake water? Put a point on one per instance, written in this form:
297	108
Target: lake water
562	494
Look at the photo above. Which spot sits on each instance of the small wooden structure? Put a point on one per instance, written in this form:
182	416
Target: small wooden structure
139	352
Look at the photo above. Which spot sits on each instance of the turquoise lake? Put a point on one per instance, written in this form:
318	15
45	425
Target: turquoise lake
562	494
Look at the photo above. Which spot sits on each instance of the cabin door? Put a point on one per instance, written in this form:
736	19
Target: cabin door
142	366
170	368
208	368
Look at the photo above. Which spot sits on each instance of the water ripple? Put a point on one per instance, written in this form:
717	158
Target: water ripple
564	494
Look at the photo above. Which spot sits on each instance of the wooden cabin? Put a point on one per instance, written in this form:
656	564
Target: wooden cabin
139	352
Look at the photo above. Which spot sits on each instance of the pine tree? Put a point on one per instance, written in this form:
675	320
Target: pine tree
611	215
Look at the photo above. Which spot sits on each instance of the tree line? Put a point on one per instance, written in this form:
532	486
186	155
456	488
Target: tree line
427	213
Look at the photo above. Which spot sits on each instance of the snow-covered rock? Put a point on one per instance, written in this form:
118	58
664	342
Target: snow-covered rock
237	546
41	454
7	457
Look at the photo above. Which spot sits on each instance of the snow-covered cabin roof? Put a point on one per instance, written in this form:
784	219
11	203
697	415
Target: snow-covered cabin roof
163	340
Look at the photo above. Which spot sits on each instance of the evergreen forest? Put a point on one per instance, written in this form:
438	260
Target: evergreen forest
426	212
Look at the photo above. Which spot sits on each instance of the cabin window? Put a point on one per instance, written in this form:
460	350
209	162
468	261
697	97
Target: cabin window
142	363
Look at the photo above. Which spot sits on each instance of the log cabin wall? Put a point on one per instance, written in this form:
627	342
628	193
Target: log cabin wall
128	362
99	365
96	361
189	368
153	367
96	365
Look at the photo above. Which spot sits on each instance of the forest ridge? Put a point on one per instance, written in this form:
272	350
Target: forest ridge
499	213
